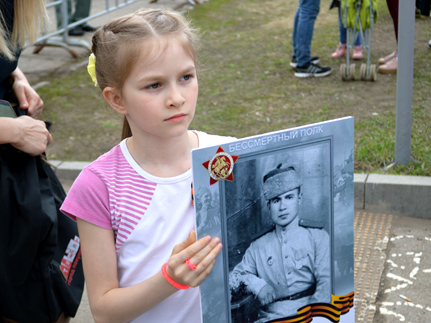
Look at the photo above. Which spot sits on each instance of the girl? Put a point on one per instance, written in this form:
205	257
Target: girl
133	204
341	50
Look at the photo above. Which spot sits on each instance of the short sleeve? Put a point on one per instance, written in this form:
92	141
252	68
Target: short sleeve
88	199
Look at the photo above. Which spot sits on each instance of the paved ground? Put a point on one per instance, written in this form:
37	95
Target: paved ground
391	252
407	272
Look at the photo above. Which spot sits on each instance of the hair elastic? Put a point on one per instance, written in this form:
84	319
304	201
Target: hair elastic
91	68
170	280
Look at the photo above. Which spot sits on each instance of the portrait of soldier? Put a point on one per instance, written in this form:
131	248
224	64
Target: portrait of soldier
289	266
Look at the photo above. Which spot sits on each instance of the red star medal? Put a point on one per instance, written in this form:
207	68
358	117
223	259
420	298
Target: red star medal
220	166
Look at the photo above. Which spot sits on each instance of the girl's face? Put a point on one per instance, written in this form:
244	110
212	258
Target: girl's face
159	96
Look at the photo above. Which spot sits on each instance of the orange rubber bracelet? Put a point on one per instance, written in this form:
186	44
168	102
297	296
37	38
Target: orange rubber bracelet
170	280
190	265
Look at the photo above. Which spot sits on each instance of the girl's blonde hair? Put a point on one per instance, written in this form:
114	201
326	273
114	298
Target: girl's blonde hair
118	44
29	18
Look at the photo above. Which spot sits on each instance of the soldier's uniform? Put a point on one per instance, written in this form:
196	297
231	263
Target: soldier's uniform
294	260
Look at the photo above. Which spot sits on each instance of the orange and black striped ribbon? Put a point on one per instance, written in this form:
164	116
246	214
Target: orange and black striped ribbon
339	306
193	199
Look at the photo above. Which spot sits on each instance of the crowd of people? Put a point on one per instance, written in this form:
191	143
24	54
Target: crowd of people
306	65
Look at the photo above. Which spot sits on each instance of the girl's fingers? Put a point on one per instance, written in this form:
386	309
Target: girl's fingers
198	280
186	243
193	249
181	273
187	249
201	254
197	258
205	266
209	260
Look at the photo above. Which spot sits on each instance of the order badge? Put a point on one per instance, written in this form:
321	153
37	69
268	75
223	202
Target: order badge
220	166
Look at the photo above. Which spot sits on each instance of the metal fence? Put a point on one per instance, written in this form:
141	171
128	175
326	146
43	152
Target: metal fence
60	37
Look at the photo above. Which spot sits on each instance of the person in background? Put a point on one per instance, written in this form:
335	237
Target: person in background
389	63
25	133
20	22
82	10
306	65
423	8
341	50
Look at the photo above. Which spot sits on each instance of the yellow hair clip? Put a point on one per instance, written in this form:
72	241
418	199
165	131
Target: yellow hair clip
91	68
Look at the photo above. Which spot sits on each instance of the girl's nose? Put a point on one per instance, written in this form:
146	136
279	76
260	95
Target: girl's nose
175	98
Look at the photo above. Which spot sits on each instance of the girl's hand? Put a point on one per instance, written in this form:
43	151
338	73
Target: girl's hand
202	253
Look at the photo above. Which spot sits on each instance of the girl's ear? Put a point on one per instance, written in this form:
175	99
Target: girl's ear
114	99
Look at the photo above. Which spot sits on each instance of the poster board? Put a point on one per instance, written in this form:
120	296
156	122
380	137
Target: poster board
309	275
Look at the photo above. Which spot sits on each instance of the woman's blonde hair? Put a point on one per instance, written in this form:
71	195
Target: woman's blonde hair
118	44
29	18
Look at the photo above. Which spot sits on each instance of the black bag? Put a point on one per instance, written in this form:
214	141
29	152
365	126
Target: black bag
41	272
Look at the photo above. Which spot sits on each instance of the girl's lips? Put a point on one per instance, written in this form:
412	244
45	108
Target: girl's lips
177	118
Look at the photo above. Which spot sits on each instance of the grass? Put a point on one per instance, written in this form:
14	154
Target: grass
247	87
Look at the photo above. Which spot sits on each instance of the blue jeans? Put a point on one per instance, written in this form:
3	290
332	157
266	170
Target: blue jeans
303	28
343	31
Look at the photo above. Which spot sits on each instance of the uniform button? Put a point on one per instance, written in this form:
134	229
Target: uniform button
270	261
285	241
289	272
286	257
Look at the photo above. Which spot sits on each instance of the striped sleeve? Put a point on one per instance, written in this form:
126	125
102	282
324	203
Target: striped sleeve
88	199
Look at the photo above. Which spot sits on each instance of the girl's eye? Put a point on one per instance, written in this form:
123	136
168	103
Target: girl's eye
154	86
186	77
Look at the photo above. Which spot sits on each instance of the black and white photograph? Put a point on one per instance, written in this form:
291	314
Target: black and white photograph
282	250
278	238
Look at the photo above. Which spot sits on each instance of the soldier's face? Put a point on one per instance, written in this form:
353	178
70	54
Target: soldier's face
284	208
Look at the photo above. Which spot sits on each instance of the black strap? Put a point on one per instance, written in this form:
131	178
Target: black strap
308	292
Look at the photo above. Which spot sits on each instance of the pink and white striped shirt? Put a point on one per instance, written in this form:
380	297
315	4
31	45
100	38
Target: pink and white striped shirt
149	216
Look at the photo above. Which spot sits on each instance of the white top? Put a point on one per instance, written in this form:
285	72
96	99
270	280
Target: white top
149	216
